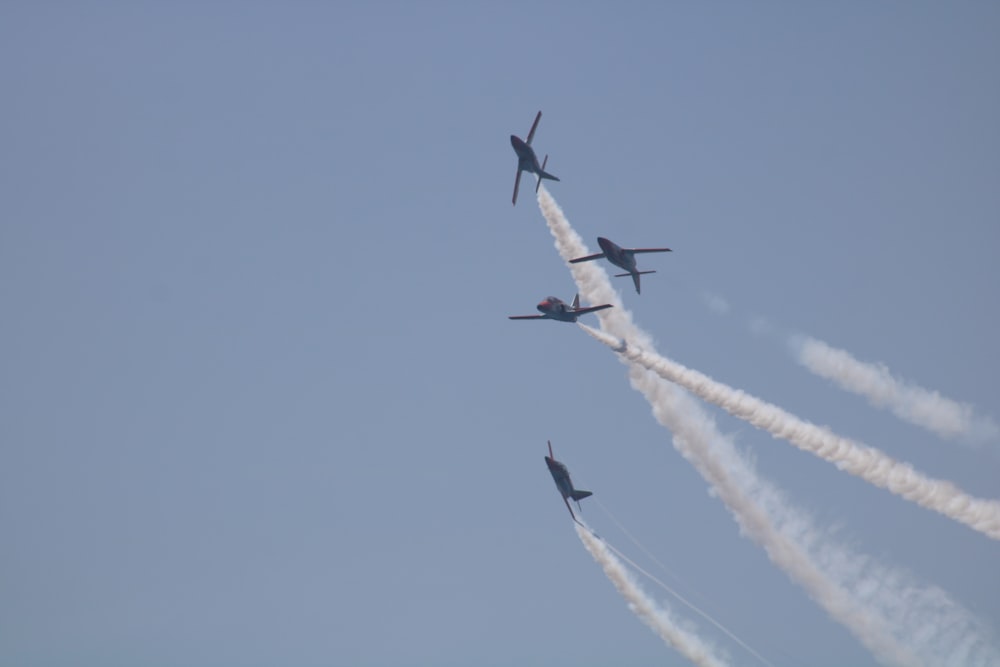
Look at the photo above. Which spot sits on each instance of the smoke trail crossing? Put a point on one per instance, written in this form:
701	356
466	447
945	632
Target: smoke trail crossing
696	438
660	620
911	403
860	460
894	618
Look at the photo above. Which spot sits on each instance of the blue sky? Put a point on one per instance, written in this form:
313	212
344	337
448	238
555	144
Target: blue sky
261	401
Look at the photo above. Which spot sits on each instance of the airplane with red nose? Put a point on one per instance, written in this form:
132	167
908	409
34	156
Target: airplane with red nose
554	308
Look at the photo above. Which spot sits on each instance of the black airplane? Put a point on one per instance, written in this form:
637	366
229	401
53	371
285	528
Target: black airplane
527	160
621	257
560	475
554	308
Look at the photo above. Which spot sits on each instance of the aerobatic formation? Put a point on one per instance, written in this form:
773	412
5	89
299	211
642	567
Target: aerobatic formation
551	307
823	568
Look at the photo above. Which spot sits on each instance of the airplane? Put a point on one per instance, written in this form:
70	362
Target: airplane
527	160
553	308
560	475
621	257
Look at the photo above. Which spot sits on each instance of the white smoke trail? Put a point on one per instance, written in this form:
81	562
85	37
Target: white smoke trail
865	462
888	617
911	403
685	641
690	605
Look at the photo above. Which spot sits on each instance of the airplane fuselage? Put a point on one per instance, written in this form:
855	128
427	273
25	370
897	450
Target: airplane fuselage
617	255
560	475
556	309
526	158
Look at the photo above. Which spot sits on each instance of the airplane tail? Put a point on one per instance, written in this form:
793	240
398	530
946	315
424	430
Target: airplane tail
576	301
640	273
544	174
579	495
635	278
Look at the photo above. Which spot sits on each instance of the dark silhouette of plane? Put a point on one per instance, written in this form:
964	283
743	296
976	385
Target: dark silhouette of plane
560	475
553	308
527	160
621	257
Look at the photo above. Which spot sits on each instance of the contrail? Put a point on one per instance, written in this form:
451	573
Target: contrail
861	460
660	620
911	403
853	590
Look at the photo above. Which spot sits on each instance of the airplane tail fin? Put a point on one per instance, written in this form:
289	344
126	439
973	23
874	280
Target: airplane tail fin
576	301
635	278
544	174
579	495
625	275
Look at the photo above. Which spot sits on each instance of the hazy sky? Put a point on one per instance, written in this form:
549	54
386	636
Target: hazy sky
260	402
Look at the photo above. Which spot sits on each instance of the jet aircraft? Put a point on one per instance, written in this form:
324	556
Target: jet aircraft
527	160
553	308
621	257
560	475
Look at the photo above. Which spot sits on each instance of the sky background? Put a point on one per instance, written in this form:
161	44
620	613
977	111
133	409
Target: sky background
260	402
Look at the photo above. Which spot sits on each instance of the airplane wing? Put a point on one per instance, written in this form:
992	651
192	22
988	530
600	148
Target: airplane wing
517	184
638	250
531	134
525	317
584	311
587	258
